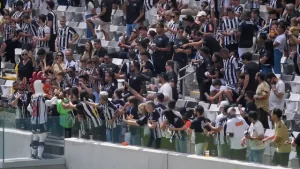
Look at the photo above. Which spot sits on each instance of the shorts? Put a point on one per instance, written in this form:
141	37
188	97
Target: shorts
105	26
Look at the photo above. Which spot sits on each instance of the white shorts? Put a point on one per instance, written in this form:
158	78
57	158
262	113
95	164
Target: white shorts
103	25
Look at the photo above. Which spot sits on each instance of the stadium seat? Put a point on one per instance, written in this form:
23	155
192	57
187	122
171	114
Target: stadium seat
61	11
82	42
120	82
117	61
292	103
288	68
113	46
117	19
72	24
104	43
82	25
180	103
112	32
205	105
80	10
295	84
70	12
286	78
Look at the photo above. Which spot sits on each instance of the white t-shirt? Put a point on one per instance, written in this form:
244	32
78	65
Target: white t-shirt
166	89
275	102
281	39
256	130
237	126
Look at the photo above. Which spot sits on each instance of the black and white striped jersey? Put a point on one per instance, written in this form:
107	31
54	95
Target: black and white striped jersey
230	24
231	68
149	4
29	28
154	117
109	111
90	112
28	5
42	32
238	9
65	36
118	103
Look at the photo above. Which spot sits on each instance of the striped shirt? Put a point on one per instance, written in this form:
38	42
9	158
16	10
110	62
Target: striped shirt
52	17
18	14
230	25
28	28
207	27
109	111
42	32
177	123
119	103
231	67
159	107
8	31
259	22
174	27
148	4
90	112
253	5
38	110
238	9
28	5
154	117
65	35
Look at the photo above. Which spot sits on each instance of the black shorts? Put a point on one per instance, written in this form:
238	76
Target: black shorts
39	128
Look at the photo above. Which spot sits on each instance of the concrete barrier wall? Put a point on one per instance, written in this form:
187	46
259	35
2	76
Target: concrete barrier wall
81	154
16	143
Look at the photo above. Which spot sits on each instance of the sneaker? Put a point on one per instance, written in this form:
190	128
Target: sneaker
39	158
33	156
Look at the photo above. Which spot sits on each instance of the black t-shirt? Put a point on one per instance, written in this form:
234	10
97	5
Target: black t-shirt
172	76
268	54
247	29
297	141
110	88
101	53
215	68
143	120
108	5
202	68
249	107
212	44
25	70
133	10
194	27
161	41
180	56
135	81
251	69
150	67
198	125
107	67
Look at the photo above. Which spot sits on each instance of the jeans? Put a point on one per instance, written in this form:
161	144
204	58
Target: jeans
199	148
113	135
181	145
129	28
256	156
135	139
277	60
96	96
89	33
266	69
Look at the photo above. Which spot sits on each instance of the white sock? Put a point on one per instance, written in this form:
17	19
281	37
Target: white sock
40	151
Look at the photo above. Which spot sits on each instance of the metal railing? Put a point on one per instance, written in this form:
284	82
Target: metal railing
184	77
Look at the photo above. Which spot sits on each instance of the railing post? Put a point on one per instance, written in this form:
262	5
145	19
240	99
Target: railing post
183	89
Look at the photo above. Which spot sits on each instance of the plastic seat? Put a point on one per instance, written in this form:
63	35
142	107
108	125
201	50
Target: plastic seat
82	25
180	102
204	105
287	78
288	68
117	61
73	24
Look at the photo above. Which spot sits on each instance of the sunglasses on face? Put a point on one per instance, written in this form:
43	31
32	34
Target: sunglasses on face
59	55
173	16
24	54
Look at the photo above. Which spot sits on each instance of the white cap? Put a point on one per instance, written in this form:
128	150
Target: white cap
231	110
201	13
103	95
224	103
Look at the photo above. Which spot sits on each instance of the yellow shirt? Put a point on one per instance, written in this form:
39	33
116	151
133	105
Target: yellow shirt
262	89
281	131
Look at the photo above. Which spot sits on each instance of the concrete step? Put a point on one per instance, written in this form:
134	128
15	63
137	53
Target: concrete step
28	163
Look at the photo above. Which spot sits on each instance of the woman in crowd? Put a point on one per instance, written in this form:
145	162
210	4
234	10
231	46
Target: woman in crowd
88	51
59	64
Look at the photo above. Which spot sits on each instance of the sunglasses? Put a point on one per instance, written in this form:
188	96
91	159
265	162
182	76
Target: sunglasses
173	16
24	54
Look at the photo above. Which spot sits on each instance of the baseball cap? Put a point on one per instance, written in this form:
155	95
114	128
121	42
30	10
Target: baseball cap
189	18
164	75
201	13
224	103
231	110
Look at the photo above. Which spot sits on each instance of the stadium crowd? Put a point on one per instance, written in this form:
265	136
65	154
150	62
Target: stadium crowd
216	37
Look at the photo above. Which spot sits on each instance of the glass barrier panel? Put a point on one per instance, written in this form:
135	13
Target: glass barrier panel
43	137
2	134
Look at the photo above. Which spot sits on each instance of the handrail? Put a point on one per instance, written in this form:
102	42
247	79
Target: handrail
183	77
185	67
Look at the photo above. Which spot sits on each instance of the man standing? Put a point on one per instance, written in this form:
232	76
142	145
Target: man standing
281	155
52	24
134	14
43	36
277	92
250	70
103	19
262	99
236	126
29	29
246	33
166	88
160	49
67	36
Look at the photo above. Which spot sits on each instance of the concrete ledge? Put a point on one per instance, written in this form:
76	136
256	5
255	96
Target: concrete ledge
28	162
80	154
16	143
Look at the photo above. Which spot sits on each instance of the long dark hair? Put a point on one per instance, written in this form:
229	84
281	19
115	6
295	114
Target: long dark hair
170	116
